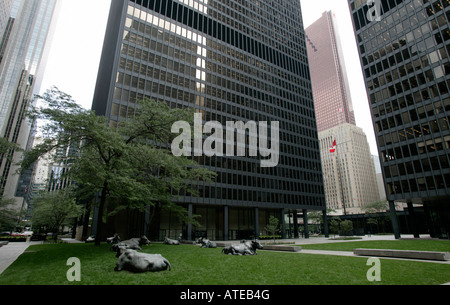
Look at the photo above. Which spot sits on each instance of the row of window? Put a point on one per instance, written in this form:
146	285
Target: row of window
250	182
240	194
413	149
417	167
423	184
416	131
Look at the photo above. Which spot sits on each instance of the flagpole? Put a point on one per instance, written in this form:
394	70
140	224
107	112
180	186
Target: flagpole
340	185
338	173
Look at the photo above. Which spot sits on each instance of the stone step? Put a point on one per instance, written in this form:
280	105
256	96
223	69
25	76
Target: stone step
282	248
425	255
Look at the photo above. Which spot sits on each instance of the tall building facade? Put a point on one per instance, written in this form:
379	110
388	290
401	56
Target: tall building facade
5	13
332	98
231	61
21	52
349	175
349	172
404	47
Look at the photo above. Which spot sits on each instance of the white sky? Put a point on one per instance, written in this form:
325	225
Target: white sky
77	44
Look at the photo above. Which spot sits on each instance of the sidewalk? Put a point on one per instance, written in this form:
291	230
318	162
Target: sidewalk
10	252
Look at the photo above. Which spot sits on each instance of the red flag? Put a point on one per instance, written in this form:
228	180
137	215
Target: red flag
333	148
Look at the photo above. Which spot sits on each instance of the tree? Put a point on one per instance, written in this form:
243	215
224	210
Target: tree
346	227
8	216
273	226
6	147
130	162
53	209
317	218
375	211
334	225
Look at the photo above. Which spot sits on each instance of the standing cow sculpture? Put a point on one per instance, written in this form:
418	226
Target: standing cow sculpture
137	262
244	248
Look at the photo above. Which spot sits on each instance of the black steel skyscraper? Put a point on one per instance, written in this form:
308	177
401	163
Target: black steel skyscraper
404	47
240	60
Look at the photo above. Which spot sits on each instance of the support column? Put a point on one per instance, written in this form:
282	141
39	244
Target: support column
305	223
146	219
225	223
189	225
95	223
282	224
394	220
295	224
256	223
325	223
412	217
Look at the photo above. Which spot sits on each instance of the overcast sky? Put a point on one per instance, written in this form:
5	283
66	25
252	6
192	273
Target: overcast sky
77	44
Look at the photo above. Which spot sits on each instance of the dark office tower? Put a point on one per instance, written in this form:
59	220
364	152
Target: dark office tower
404	48
231	61
331	90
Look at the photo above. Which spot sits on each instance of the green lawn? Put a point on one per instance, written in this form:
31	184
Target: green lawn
191	265
419	245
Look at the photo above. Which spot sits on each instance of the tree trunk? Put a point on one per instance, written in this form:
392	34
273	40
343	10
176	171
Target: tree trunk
101	207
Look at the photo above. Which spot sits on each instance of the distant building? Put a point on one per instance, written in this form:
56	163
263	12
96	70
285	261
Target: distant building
379	174
22	53
349	174
5	13
49	173
332	98
404	48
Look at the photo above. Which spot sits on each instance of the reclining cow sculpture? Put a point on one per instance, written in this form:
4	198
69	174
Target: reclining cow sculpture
169	241
244	248
133	244
206	243
137	262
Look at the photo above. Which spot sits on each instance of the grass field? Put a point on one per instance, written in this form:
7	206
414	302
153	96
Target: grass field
191	265
419	245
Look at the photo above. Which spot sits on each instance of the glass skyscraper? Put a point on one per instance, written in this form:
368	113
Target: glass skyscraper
22	49
404	47
242	60
5	12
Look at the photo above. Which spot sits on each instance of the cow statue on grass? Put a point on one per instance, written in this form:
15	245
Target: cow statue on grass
206	243
133	244
244	248
138	262
169	241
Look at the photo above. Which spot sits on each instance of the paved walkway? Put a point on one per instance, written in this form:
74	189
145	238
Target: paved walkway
10	252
